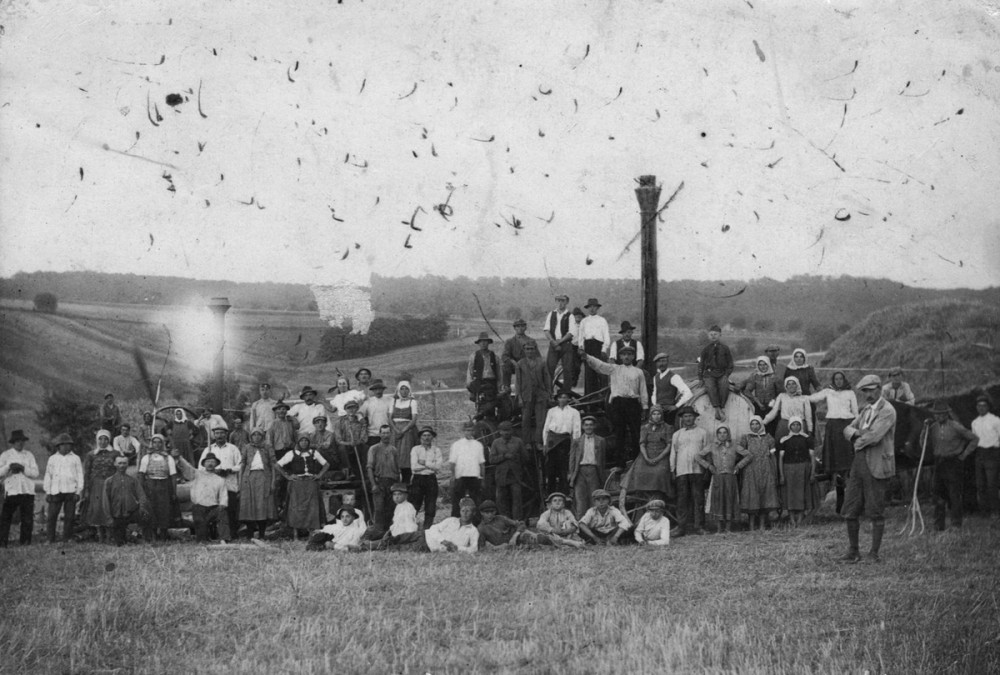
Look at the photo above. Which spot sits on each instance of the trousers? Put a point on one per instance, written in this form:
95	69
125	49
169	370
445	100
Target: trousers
865	493
556	467
948	491
424	492
588	479
205	516
563	354
690	501
718	390
25	506
988	480
56	503
384	506
625	414
593	380
459	488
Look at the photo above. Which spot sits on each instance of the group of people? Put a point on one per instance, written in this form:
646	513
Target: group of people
269	467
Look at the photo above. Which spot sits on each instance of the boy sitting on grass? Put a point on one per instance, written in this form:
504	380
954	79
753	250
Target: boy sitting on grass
604	524
557	525
653	527
344	535
403	529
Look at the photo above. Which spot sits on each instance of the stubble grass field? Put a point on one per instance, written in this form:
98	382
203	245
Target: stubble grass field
771	602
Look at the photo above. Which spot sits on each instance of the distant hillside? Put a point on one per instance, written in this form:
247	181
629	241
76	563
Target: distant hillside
766	304
944	346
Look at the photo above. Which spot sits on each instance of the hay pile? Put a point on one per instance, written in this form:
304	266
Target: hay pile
945	347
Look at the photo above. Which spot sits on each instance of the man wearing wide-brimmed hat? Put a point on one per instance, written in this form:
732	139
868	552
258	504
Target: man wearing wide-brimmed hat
949	443
63	486
626	340
594	338
560	328
483	368
18	470
303	413
230	464
670	392
871	433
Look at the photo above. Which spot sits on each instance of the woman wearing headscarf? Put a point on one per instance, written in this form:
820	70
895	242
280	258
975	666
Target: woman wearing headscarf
722	460
791	403
650	472
759	493
257	484
841	409
98	466
796	457
182	431
404	427
762	385
801	371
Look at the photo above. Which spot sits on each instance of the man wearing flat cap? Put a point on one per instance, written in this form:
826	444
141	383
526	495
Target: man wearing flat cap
670	392
351	434
508	454
871	433
513	351
897	390
483	369
109	414
18	471
949	443
534	389
629	399
594	338
626	340
587	464
377	411
560	329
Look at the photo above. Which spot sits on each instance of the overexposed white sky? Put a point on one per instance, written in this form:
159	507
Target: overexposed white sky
341	120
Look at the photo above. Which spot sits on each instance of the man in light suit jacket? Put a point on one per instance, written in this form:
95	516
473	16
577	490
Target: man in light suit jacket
586	465
872	434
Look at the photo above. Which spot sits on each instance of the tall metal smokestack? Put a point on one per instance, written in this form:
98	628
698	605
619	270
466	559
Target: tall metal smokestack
648	194
219	307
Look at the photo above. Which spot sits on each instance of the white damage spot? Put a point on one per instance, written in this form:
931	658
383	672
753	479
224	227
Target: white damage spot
345	302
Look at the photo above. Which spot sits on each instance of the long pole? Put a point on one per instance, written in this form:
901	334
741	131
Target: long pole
648	194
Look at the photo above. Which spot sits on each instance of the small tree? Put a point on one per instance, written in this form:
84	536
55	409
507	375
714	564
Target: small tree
685	321
818	336
764	324
46	302
69	411
739	322
795	325
230	390
745	348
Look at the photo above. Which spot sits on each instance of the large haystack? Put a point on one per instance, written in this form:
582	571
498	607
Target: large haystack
945	347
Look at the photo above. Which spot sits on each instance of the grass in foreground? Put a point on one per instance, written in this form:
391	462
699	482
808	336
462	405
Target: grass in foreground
771	602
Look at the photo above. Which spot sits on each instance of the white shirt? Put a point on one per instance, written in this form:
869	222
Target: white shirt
683	391
465	537
305	414
987	427
257	463
126	445
467	454
261	415
377	411
207	488
430	455
655	532
404	519
594	327
344	535
339	400
18	483
561	421
63	474
230	458
558	333
841	404
640	353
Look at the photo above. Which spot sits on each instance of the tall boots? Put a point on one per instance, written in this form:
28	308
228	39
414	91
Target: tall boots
853	530
878	528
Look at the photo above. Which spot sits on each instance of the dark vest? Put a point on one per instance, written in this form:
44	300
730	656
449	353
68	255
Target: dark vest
299	464
666	393
621	342
563	323
477	365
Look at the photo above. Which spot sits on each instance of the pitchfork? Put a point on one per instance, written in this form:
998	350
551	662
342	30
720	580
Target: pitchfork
915	512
